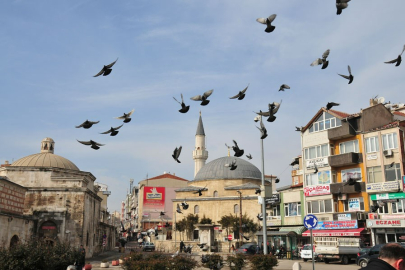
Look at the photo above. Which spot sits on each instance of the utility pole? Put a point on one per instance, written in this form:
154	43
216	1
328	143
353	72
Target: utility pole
240	218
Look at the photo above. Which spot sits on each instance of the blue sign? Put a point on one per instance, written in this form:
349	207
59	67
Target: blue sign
336	224
310	221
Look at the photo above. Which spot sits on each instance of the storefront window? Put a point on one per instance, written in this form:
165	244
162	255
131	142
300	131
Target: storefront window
398	207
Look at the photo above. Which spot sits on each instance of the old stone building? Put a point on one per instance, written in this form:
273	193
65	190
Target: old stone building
61	199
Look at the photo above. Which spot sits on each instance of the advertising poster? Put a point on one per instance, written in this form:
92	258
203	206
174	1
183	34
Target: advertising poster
316	190
336	224
154	198
324	177
354	204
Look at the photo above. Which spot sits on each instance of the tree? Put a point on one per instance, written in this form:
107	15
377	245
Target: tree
227	222
181	226
190	221
205	220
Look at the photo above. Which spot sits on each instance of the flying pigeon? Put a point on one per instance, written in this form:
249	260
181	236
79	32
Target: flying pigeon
232	166
126	116
277	180
249	156
199	191
267	21
94	145
203	98
178	210
247	239
241	94
122	228
184	108
374	208
258	191
398	60
295	162
350	77
184	205
340	5
106	69
238	152
162	213
351	181
262	129
87	124
322	61
273	109
315	168
175	254
201	245
283	87
176	154
298	128
330	105
392	164
112	130
260	216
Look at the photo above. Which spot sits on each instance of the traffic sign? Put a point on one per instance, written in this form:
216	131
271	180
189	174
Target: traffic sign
310	221
230	237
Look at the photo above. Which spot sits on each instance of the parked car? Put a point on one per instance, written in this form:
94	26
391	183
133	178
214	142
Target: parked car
248	248
370	253
306	253
147	246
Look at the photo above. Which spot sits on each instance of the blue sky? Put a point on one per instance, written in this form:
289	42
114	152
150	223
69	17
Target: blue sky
52	49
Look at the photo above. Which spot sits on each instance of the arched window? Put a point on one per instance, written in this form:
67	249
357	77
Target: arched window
215	193
14	241
236	208
196	209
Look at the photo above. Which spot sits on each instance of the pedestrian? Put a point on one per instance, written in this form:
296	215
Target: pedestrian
81	260
273	250
181	246
257	249
392	257
233	249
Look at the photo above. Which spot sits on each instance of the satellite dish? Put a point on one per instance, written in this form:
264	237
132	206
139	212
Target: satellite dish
401	105
381	100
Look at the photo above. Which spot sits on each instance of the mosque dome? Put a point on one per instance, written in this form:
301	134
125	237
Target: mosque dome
216	170
46	158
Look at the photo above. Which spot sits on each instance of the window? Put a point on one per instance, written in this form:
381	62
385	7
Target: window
374	174
372	145
398	207
311	179
317	151
383	209
324	122
349	146
292	209
354	204
196	209
236	209
392	173
276	211
390	141
322	206
351	173
215	193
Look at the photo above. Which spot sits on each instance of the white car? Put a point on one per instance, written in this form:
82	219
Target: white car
306	253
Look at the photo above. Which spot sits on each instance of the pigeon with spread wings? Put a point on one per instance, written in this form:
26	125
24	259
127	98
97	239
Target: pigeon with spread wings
322	61
249	156
178	210
349	77
241	94
203	98
267	21
273	109
94	145
176	154
232	166
283	87
200	190
262	129
113	130
184	108
398	60
340	5
126	116
330	105
87	124
238	152
106	69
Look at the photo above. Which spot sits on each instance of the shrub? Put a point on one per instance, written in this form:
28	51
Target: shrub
213	261
236	262
263	262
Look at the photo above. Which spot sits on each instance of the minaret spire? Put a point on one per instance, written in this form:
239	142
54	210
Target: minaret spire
200	155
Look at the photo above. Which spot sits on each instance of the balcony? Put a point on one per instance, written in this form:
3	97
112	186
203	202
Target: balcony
344	131
345	159
273	220
339	188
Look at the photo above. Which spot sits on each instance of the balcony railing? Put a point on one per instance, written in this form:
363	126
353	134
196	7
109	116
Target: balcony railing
345	159
339	188
344	131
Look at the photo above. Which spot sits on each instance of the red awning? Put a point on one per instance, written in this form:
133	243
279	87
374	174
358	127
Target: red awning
348	232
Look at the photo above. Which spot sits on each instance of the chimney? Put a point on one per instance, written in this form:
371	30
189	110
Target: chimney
174	174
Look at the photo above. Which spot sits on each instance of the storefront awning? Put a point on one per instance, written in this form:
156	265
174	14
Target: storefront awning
277	233
297	229
351	232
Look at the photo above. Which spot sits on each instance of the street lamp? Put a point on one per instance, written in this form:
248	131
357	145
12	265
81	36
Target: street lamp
240	217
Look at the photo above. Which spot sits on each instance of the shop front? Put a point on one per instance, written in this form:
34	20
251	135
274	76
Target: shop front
387	230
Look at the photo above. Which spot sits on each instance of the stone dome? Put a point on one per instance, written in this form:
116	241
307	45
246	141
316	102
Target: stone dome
46	158
216	170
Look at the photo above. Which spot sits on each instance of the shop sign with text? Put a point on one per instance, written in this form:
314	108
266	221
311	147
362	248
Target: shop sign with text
385	223
320	162
154	198
336	224
316	190
384	186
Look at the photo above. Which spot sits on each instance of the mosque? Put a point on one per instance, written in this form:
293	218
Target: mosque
224	192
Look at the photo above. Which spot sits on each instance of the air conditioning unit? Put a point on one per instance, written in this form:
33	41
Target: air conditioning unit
361	216
387	153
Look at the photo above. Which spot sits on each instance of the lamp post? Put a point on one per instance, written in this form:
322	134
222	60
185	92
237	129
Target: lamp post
240	217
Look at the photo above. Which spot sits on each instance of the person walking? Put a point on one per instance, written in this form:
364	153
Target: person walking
392	257
81	260
181	246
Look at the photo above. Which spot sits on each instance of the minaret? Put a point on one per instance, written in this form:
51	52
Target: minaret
200	155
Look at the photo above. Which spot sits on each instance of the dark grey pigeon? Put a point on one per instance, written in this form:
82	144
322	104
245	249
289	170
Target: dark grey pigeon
178	210
238	152
315	168
162	213
392	164
247	239
330	105
260	216
200	190
283	87
112	130
94	145
267	21
398	60
184	205
87	124
349	77
126	116
176	154
249	156
258	191
273	109
277	180
203	98
241	94
322	61
232	166
298	128
106	69
340	5
184	108
262	129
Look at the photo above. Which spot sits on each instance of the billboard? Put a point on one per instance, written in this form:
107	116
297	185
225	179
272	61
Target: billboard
154	198
336	224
